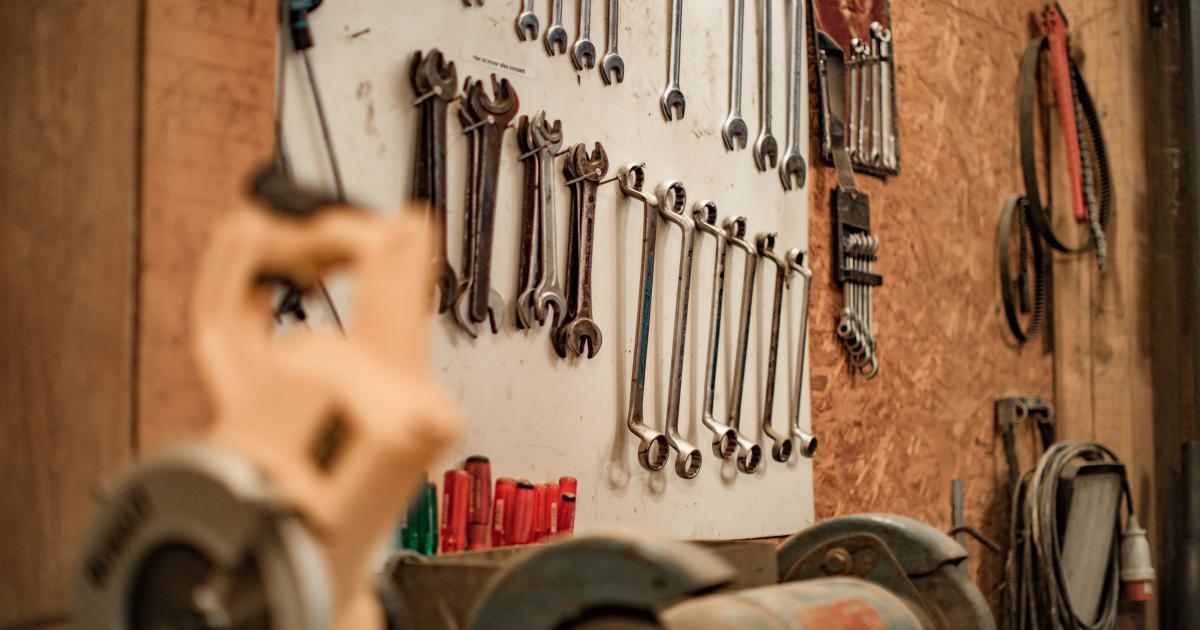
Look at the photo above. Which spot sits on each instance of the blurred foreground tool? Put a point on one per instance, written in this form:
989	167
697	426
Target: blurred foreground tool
272	518
419	533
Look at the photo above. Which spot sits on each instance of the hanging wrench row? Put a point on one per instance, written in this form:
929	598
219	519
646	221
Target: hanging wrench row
792	169
856	327
871	139
583	52
668	203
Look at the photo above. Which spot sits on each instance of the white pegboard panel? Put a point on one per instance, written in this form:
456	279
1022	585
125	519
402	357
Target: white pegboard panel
535	415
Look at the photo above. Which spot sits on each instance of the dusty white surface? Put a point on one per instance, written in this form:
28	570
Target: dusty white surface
537	416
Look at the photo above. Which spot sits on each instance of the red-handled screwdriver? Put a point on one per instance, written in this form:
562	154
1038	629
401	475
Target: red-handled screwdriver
541	501
502	514
522	524
479	502
552	500
567	485
566	514
456	486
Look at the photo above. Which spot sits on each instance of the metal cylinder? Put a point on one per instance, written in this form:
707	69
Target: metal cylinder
827	604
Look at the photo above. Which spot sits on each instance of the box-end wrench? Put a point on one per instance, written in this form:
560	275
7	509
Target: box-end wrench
496	113
727	442
864	102
734	132
781	450
853	67
652	448
527	273
547	138
735	231
583	54
792	168
612	67
672	96
581	333
440	79
885	97
806	440
555	38
672	200
876	99
527	23
766	149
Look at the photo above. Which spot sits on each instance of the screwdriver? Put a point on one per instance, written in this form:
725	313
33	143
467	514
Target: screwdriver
568	485
522	514
419	532
566	514
541	502
479	502
506	490
552	500
457	485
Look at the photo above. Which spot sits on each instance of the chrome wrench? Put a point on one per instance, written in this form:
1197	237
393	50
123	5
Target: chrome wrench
672	199
583	55
672	97
781	450
791	166
734	131
807	441
548	138
726	440
766	150
612	67
735	231
527	23
885	97
555	38
652	449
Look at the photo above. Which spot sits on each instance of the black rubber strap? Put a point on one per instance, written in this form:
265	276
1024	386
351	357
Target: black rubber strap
1013	208
1027	91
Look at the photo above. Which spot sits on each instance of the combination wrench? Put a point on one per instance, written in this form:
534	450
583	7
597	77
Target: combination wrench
547	139
852	70
735	231
612	67
781	449
527	272
583	55
734	132
672	199
806	440
581	330
527	23
876	100
555	38
652	448
766	149
436	84
864	101
791	166
672	96
726	440
884	35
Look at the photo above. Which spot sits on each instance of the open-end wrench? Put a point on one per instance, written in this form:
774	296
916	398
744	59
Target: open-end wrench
652	449
527	22
852	70
581	330
583	54
735	231
884	35
612	67
672	200
781	450
555	38
734	132
547	138
435	76
766	149
672	96
527	273
791	166
726	440
807	441
495	113
462	302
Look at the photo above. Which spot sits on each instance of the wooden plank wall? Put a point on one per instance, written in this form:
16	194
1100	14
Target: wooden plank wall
68	193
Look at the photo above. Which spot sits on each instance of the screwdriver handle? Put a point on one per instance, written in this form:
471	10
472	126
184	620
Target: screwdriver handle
506	490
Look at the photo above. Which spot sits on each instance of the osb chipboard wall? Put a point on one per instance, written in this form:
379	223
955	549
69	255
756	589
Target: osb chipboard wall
893	444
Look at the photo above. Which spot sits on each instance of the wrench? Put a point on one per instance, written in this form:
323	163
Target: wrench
781	450
766	150
726	440
527	274
583	55
791	165
486	303
864	101
672	199
884	35
735	231
734	132
462	302
612	68
431	75
672	97
527	23
876	100
548	138
852	70
581	329
653	449
807	441
555	38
